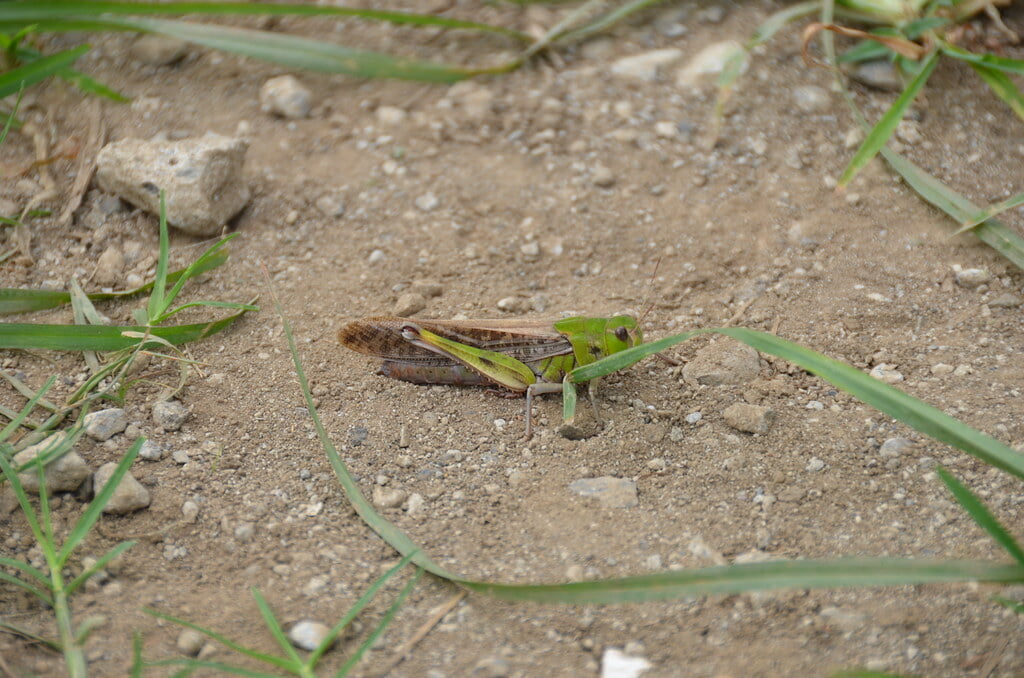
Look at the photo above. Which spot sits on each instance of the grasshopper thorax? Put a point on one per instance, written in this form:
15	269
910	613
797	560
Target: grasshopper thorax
595	338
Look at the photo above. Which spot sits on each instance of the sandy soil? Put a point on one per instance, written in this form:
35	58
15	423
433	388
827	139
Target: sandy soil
749	232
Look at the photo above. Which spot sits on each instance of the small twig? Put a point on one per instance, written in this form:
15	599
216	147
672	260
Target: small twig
403	651
740	311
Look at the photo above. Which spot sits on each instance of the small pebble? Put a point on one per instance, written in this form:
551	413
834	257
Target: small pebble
190	642
190	511
376	256
286	97
428	288
608	491
666	129
1007	300
158	50
811	99
180	457
129	496
65	474
880	74
331	205
245	532
972	277
409	304
307	634
388	497
170	414
646	65
151	451
513	305
886	373
894	447
491	667
109	267
427	202
939	369
748	418
709	61
391	116
104	424
415	504
601	176
617	664
815	465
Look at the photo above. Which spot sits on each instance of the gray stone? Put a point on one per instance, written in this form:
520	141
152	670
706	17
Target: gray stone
723	362
159	50
880	74
109	266
748	418
410	304
286	97
308	634
646	65
601	176
609	491
388	497
972	277
151	451
894	447
202	178
709	61
170	414
331	205
104	424
427	288
1007	300
129	496
811	99
428	202
65	474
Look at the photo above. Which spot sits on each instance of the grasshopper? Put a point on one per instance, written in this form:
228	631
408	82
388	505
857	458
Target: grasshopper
524	356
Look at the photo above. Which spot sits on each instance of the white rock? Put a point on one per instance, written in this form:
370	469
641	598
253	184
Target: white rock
390	115
104	424
308	634
427	202
646	65
202	178
616	664
709	61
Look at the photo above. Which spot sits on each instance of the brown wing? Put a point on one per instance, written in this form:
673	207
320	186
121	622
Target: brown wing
527	340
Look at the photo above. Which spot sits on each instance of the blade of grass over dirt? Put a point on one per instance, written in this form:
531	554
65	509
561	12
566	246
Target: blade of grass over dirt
992	232
106	338
14	300
287	50
891	401
880	133
1002	86
28	74
39	12
733	579
977	510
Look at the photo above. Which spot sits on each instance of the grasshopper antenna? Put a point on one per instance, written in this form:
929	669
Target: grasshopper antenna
648	304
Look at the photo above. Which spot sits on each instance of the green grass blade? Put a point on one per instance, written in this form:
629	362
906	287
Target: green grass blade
288	50
29	74
190	272
22	496
34	11
92	512
25	633
102	338
385	621
779	20
977	510
991	61
8	123
991	211
28	569
98	565
157	296
623	359
603	22
275	630
88	85
14	300
568	400
354	611
1003	86
22	584
880	133
992	232
18	420
731	579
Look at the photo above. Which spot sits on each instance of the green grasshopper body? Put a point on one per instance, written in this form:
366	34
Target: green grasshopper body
524	356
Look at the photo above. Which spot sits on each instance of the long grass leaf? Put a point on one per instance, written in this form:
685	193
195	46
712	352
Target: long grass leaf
1002	86
28	569
36	12
14	300
1015	605
998	63
25	633
92	512
157	297
18	420
31	73
102	338
993	233
991	211
22	584
981	515
880	133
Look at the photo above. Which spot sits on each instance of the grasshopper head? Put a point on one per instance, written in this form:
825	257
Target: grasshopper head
620	333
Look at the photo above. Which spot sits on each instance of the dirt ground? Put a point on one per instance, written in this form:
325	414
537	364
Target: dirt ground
749	232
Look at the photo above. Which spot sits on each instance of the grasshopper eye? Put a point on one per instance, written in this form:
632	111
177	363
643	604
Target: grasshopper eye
622	334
